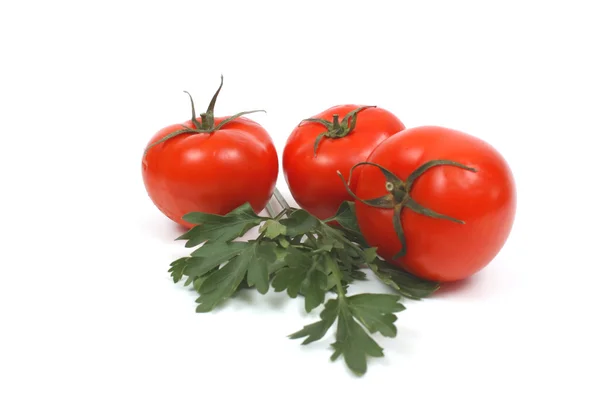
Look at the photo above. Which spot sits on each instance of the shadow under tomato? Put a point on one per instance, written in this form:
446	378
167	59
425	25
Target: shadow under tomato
179	229
452	289
163	229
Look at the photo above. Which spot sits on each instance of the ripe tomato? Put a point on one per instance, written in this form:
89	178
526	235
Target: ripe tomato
210	164
454	217
322	145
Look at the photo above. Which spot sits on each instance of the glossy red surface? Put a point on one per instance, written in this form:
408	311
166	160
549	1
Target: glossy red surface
313	180
485	200
213	173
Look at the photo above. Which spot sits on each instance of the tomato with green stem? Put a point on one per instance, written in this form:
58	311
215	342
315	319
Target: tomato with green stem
332	140
210	164
437	202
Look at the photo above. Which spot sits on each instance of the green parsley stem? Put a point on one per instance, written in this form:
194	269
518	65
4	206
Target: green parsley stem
281	214
312	241
281	200
335	271
270	209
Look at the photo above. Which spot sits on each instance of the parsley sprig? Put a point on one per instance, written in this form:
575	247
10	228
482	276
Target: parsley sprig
301	255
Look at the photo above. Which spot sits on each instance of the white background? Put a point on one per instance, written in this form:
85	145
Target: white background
87	308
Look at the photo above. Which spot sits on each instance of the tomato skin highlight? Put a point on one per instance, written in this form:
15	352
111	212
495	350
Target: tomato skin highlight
312	180
485	200
211	172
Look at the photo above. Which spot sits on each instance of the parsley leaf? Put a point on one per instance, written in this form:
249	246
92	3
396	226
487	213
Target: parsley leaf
252	261
272	229
353	343
303	256
222	284
406	284
177	267
317	330
313	288
354	314
299	223
217	228
258	265
346	218
211	255
302	274
375	312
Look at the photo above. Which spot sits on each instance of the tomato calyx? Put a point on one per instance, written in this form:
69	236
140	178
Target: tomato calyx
398	196
336	129
206	124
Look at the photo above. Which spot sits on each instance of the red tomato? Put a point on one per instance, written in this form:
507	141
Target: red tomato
454	220
213	172
311	173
